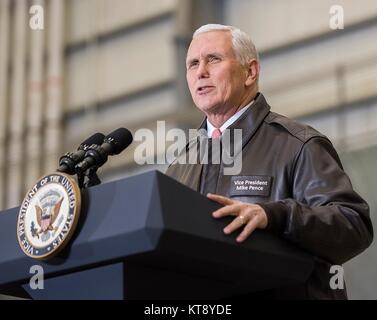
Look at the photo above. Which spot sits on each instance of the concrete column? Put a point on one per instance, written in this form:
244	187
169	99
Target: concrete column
54	108
4	63
15	186
34	148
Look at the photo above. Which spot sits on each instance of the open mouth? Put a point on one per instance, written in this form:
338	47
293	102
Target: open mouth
204	89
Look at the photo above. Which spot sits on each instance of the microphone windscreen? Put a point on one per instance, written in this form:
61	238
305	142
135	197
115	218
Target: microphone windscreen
120	139
96	138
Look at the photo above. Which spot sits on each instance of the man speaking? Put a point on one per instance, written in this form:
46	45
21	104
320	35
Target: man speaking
291	183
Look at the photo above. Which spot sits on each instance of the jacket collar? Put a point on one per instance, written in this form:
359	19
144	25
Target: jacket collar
251	120
248	122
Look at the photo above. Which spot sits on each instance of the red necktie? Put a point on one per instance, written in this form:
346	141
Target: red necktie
216	133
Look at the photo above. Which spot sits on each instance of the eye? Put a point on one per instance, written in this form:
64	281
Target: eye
214	59
193	64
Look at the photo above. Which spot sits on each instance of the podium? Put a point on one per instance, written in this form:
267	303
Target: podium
150	237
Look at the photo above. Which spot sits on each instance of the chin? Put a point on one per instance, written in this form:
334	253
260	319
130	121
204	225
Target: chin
206	107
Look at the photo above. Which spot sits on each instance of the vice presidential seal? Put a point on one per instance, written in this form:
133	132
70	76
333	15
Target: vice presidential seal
48	216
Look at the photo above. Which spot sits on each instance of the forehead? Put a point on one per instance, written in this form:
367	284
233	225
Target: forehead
212	41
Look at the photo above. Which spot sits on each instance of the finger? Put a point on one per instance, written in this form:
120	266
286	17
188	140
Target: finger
234	225
230	210
248	230
220	199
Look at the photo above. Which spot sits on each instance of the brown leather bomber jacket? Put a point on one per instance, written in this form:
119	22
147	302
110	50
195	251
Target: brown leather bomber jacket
309	199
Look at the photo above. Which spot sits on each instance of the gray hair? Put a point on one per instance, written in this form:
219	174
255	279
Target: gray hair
242	44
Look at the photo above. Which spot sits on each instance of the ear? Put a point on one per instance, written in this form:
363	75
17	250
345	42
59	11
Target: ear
253	68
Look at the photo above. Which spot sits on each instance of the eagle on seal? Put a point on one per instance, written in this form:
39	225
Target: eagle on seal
47	216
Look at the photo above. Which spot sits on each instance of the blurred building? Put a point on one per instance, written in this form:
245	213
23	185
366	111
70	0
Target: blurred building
102	64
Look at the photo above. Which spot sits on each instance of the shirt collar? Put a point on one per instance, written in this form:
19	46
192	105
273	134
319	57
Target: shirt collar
229	122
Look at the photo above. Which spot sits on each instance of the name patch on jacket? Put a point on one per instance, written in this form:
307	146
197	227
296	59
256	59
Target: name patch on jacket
250	186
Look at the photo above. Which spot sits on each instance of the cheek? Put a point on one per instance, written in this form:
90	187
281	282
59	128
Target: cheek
225	88
239	78
225	82
235	83
189	80
191	76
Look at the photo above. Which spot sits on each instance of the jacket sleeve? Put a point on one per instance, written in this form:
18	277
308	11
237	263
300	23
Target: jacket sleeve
325	216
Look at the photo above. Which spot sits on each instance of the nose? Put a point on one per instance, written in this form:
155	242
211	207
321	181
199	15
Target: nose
202	71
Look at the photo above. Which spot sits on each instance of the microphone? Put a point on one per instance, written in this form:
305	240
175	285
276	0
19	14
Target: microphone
68	162
114	143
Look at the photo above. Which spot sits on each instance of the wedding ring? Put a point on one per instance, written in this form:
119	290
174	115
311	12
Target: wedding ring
242	218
